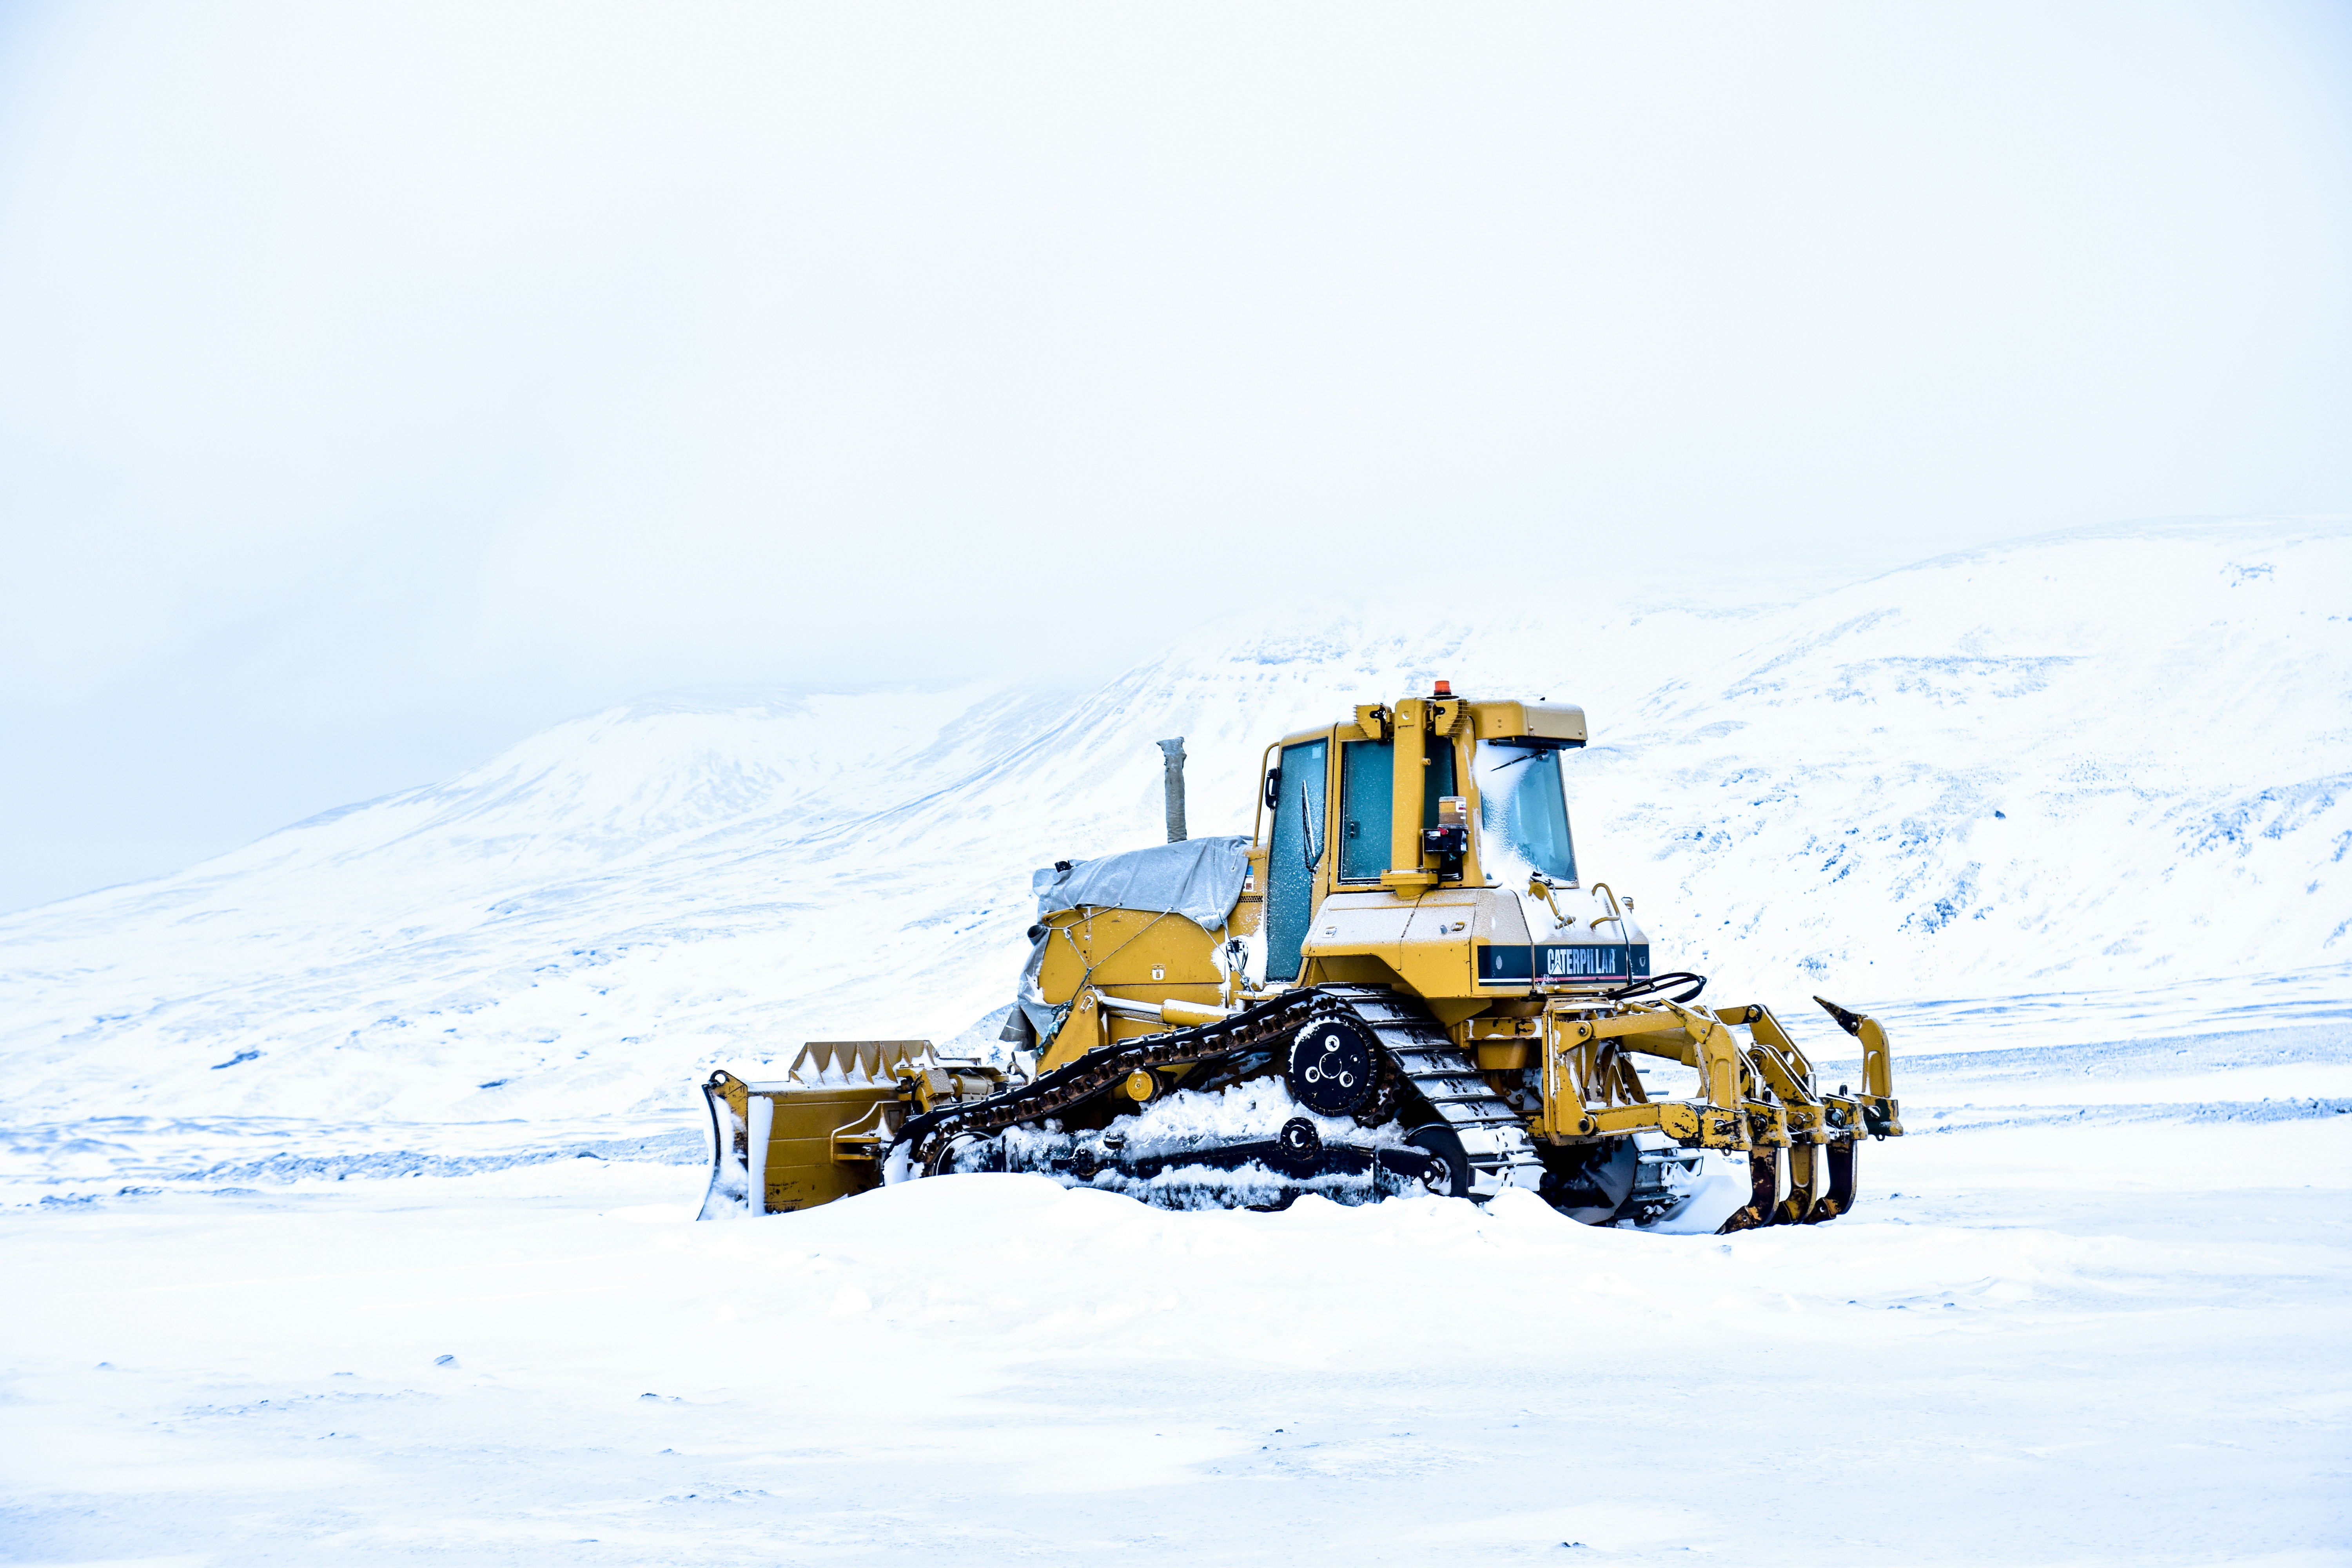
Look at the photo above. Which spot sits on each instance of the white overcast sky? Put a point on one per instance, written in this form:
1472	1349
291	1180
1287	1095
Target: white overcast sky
380	383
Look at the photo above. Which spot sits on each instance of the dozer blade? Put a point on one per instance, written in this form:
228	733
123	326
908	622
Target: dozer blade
820	1134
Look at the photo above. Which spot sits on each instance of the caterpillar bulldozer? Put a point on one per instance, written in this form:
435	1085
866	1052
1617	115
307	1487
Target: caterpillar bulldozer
1397	985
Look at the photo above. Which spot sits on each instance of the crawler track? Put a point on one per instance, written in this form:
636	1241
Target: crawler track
1416	1049
1422	1066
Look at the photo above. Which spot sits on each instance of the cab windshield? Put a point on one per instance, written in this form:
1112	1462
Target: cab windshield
1523	814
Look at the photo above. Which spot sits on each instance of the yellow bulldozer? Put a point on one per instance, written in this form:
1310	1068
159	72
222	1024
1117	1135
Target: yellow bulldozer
1398	984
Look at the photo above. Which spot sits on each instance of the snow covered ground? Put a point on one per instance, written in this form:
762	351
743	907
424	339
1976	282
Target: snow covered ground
414	1080
2102	1325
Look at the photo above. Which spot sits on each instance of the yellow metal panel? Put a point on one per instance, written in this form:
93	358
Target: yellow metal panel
1118	949
799	1170
1140	956
1529	720
1409	757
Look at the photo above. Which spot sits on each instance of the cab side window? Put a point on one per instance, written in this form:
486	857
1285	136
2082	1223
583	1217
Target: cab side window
1298	849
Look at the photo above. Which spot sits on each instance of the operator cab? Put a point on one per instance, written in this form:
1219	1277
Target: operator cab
1425	793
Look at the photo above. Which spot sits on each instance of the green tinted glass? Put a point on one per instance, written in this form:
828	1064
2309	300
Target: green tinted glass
1295	852
1367	784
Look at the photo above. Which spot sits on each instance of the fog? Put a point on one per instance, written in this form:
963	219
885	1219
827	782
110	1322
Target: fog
380	383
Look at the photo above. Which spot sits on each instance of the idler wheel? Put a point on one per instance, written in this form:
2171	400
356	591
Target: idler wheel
1330	1070
1298	1146
964	1152
1449	1162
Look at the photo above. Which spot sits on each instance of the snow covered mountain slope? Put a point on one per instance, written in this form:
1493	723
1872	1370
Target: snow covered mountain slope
2114	762
2114	757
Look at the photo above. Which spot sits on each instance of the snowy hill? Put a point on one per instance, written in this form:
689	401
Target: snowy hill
2110	769
2109	758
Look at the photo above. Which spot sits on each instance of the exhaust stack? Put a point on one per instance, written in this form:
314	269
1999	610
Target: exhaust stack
1173	751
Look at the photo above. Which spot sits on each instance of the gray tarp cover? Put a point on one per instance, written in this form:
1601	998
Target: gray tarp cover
1200	879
